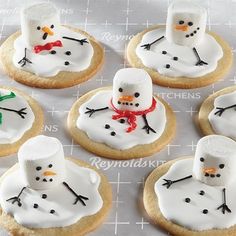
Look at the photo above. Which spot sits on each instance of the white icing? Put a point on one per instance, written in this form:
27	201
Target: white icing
46	64
190	215
50	160
185	17
58	199
13	127
43	15
226	123
213	151
216	150
209	50
133	82
94	126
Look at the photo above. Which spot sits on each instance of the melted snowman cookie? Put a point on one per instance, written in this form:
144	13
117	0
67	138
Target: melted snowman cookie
49	192
47	54
18	121
125	122
182	54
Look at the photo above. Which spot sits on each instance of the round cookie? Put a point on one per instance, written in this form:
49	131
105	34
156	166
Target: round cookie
198	197
75	204
122	122
21	118
216	114
182	54
47	55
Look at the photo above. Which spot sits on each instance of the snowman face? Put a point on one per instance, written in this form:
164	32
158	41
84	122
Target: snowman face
132	90
42	163
186	23
40	29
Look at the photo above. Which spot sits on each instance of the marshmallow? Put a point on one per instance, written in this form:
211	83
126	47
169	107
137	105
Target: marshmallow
186	23
215	160
132	90
40	24
42	163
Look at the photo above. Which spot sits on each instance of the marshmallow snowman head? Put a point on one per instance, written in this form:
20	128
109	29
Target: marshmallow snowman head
42	163
132	90
215	160
186	23
40	24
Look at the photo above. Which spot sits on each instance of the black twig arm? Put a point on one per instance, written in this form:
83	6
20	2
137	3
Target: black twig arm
224	207
200	62
91	111
80	198
24	60
147	46
20	112
147	127
221	110
17	198
81	41
168	182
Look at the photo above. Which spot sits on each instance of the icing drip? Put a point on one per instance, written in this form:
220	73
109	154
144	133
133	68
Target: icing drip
209	206
185	65
222	118
49	59
101	126
55	207
16	117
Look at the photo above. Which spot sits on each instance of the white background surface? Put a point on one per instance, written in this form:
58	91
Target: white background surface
114	22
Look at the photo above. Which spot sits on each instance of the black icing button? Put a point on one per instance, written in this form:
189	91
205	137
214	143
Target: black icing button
113	133
175	58
37	178
107	126
36	205
53	52
164	52
68	53
44	196
205	211
67	63
198	28
52	211
19	204
188	200
202	192
122	121
167	66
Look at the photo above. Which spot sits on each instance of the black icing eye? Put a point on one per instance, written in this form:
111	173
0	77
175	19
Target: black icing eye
52	26
181	22
221	166
120	90
190	23
202	159
136	95
38	28
50	166
38	168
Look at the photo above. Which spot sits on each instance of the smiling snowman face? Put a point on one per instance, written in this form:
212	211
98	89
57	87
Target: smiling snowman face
42	162
40	24
186	23
132	90
214	162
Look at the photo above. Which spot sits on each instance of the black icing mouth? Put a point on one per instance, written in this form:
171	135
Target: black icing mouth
45	35
192	33
128	104
212	175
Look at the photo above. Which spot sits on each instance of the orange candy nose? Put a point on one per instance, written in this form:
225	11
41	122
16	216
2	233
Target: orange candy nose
45	29
211	170
126	98
48	173
181	27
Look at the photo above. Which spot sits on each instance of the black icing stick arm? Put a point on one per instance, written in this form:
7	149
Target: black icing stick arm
20	112
200	62
147	127
24	60
168	182
221	110
78	197
147	46
17	198
81	41
224	206
91	111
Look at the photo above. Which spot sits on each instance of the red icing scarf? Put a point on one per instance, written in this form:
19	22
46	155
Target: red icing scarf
47	46
131	115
